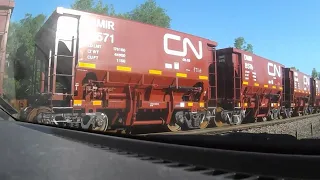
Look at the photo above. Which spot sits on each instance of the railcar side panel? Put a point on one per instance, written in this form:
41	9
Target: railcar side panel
113	44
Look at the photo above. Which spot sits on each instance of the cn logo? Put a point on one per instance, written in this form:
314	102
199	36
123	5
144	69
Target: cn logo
274	70
185	43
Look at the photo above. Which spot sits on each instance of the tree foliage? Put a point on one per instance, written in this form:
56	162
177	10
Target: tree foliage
314	73
240	43
148	12
20	48
94	7
294	68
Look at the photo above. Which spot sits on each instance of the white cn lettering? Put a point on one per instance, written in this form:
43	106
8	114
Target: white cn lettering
247	57
105	24
185	42
273	70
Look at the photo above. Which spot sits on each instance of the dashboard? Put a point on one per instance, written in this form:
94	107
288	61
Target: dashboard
30	151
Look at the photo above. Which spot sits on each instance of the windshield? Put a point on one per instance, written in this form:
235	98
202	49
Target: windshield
161	66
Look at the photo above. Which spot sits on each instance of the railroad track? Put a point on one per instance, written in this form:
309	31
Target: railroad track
225	129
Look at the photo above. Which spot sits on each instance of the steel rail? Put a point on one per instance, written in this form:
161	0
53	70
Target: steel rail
219	130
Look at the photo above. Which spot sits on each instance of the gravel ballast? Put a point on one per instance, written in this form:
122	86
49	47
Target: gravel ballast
304	128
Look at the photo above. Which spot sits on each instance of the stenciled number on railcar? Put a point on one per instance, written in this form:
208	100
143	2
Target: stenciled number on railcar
120	54
103	37
248	66
197	70
186	60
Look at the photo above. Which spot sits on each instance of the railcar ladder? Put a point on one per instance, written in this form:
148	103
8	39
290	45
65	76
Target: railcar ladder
283	98
236	84
291	86
54	74
212	81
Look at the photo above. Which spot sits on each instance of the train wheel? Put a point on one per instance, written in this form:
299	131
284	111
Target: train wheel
173	126
218	120
205	121
263	119
23	114
218	123
33	116
288	113
237	120
204	124
271	116
276	115
101	122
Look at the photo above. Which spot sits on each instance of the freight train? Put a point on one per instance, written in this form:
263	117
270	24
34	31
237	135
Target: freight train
98	72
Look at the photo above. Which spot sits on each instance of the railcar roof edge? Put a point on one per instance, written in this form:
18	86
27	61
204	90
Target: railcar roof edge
8	4
232	49
61	10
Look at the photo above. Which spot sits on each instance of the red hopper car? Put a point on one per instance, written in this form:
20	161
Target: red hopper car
315	95
296	95
98	72
249	87
102	72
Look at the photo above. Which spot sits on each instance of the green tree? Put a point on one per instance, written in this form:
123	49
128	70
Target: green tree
90	6
294	68
240	43
21	54
148	12
314	73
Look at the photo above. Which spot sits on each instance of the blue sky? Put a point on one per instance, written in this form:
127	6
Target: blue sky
285	31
